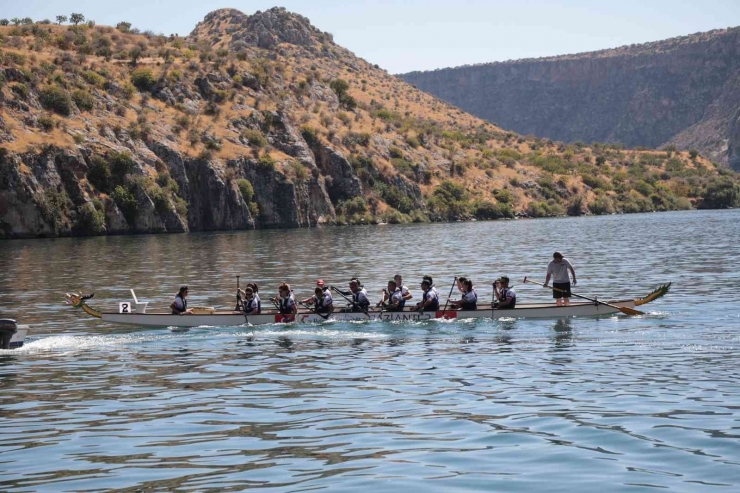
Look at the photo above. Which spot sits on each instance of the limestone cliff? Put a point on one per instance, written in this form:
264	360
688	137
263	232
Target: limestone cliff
682	91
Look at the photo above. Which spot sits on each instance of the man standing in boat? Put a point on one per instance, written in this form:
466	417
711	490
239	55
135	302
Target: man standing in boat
558	269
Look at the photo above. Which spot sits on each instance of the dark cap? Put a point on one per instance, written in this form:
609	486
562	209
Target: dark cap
557	255
504	279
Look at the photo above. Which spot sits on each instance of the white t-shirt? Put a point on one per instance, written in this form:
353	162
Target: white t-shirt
404	291
559	270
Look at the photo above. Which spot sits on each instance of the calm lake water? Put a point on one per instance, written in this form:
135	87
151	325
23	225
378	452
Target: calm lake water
579	405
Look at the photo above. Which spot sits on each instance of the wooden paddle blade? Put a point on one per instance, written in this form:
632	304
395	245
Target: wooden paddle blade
630	311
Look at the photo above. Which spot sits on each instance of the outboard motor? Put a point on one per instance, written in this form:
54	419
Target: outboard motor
8	328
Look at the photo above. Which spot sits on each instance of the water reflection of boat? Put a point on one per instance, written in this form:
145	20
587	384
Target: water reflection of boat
227	318
12	335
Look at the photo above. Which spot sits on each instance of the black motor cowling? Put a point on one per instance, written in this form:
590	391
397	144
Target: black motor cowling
8	328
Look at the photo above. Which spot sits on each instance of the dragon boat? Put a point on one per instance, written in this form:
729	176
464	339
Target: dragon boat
136	313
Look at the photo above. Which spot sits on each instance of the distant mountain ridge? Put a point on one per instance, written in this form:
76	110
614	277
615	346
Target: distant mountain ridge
682	91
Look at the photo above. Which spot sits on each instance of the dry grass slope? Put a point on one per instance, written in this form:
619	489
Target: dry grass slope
216	95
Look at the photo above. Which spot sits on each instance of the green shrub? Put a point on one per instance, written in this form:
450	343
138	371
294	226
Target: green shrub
504	196
266	163
394	197
310	135
246	189
255	138
54	206
353	206
126	201
489	210
601	205
46	122
404	167
413	141
56	99
128	90
20	89
644	188
83	99
450	191
143	79
99	174
299	170
121	164
159	198
91	220
721	193
93	78
595	182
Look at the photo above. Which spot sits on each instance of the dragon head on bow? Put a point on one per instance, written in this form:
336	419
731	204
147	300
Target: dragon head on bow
77	300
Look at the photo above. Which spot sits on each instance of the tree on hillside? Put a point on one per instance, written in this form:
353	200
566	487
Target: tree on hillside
124	26
26	21
76	18
61	19
16	21
134	54
4	22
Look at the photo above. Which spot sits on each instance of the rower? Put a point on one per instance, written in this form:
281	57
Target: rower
392	298
405	293
286	300
505	296
431	284
429	299
359	296
322	300
469	300
252	304
180	305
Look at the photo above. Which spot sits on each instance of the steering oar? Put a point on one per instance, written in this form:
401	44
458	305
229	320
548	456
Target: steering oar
623	309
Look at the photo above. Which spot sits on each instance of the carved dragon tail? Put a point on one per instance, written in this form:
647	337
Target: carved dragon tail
657	293
77	300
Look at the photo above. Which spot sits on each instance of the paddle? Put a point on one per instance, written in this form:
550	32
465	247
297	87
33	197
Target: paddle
448	297
350	301
313	310
238	296
625	310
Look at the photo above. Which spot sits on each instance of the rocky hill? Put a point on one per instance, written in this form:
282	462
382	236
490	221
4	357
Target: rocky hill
683	91
259	121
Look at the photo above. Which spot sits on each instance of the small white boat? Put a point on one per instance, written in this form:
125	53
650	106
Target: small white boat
136	314
12	335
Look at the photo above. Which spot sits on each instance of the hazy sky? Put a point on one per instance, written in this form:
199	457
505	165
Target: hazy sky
405	35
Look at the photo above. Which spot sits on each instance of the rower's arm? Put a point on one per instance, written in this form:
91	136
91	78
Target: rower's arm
547	279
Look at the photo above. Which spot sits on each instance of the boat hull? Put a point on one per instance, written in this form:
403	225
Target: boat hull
232	318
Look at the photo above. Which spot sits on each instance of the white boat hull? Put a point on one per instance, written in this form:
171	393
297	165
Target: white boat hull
233	318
